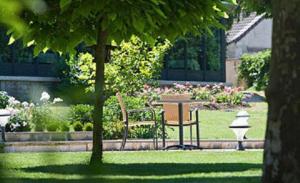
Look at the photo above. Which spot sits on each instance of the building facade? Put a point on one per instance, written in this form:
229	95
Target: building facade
250	34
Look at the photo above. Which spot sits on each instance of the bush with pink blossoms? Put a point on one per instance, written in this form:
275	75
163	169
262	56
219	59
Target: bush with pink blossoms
210	93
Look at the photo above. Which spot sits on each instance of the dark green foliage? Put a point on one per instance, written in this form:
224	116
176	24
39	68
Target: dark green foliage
213	53
112	109
142	132
65	127
254	69
73	22
3	99
81	112
88	127
77	126
41	116
261	6
53	126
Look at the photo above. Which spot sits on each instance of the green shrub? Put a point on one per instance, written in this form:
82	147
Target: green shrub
53	126
41	116
88	127
142	132
77	126
254	69
134	56
81	112
112	110
113	130
3	99
65	126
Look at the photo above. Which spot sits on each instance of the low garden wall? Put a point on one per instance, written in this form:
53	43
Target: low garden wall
48	136
82	141
114	145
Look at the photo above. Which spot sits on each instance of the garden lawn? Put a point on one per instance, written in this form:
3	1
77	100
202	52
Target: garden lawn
159	166
215	124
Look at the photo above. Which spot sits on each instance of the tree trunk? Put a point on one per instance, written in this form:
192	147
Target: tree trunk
282	145
96	157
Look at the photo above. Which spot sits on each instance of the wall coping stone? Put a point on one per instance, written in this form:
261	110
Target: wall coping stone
169	82
29	78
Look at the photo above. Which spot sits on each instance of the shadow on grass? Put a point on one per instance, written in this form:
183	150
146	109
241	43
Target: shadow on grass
156	172
248	179
140	169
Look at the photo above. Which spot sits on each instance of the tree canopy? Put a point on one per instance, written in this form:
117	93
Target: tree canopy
66	23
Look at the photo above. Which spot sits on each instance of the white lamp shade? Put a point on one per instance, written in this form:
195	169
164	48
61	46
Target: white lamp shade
4	117
240	125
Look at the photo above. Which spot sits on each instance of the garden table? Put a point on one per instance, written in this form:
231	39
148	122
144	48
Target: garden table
180	120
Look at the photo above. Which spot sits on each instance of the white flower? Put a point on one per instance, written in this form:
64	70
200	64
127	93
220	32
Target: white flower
56	100
11	100
14	111
25	104
45	97
31	105
16	102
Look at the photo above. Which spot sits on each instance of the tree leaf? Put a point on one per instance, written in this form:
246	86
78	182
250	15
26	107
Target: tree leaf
138	24
30	43
11	40
64	3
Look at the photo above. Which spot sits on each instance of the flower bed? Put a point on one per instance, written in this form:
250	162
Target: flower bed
214	95
51	116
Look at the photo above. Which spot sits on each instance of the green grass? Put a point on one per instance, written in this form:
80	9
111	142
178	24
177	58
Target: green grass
214	124
172	166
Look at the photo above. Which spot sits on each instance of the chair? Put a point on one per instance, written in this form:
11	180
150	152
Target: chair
127	124
170	116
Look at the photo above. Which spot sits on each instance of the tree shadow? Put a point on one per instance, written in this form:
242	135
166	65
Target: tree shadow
247	179
143	172
142	169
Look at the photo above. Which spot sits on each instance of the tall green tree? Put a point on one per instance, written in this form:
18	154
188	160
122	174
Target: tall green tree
97	23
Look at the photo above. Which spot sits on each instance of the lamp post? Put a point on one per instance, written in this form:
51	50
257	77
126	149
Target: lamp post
4	117
240	127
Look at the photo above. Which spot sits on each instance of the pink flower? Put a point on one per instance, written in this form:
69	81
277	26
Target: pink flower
146	86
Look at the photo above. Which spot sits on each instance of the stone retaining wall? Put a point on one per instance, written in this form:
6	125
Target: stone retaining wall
82	141
47	136
114	145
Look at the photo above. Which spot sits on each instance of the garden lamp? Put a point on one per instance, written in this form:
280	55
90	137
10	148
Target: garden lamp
240	127
4	117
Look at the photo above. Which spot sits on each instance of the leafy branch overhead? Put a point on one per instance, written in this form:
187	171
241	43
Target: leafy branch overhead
67	23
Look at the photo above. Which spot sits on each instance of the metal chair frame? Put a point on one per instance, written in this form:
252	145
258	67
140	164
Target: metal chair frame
127	125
